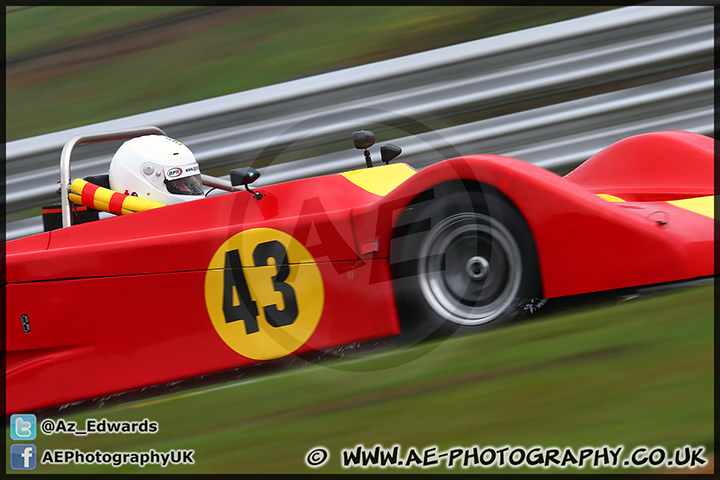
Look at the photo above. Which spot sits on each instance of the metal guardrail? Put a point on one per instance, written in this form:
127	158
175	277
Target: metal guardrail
551	95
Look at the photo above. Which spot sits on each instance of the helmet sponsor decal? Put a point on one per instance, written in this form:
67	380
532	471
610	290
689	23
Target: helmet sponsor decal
174	172
181	171
264	293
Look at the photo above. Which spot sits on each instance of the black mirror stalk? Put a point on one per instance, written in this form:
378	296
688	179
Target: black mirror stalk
255	193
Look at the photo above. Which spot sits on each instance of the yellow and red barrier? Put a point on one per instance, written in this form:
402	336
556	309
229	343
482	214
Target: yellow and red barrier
99	198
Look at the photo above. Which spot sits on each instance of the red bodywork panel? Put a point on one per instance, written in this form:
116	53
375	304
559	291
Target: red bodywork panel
118	303
655	166
584	243
127	302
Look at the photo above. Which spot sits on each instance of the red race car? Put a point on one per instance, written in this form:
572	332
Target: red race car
229	280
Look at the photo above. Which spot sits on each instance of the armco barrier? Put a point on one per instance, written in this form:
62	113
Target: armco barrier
551	95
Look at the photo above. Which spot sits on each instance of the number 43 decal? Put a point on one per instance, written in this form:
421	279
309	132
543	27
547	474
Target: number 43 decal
235	279
264	293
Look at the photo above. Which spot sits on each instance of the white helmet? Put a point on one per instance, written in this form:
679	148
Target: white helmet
157	168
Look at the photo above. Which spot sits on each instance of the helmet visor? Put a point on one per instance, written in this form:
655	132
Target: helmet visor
191	185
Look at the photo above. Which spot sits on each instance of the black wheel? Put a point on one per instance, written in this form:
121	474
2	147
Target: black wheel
462	257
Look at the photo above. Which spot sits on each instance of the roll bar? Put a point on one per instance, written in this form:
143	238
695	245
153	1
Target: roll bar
108	136
85	139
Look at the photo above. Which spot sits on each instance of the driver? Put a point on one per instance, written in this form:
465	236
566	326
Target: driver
157	168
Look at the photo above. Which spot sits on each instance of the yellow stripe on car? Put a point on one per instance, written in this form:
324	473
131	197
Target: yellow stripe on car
609	198
380	180
700	205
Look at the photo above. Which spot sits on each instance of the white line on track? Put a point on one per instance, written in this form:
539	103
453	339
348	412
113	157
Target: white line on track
240	383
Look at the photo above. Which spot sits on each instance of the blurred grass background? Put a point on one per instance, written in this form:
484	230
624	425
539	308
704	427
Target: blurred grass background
135	59
638	373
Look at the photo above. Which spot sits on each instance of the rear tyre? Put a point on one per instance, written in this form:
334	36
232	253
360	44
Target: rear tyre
462	260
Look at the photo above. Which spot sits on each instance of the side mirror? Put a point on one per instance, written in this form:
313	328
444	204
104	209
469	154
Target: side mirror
388	152
245	176
364	140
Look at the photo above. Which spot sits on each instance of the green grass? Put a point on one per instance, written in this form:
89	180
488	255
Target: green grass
41	28
265	48
640	373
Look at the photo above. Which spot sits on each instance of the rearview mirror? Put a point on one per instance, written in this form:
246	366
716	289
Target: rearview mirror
363	139
243	176
388	152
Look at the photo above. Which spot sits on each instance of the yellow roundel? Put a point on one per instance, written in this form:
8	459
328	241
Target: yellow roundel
264	293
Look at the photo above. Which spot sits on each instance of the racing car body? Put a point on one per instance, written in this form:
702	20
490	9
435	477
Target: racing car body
230	280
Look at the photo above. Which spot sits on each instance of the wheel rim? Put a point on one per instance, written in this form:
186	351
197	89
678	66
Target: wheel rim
469	268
